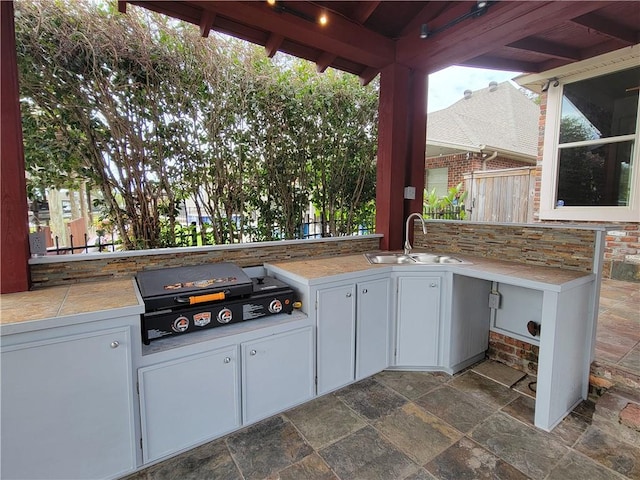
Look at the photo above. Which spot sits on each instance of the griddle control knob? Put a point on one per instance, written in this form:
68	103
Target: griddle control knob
225	315
180	324
275	306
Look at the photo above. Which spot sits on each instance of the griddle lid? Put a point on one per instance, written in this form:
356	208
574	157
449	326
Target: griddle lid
197	279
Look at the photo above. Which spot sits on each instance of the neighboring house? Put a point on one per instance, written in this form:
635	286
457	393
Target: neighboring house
489	129
589	138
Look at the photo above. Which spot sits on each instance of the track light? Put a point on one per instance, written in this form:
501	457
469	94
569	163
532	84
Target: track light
424	31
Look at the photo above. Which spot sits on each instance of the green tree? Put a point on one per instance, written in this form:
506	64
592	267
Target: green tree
154	114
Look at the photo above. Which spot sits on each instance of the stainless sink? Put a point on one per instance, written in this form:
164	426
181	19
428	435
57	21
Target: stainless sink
411	259
396	258
428	258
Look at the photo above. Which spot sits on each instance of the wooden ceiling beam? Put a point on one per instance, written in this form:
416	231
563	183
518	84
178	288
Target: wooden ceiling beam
340	36
367	75
206	23
504	23
434	14
364	11
273	44
180	10
547	48
499	63
324	61
608	27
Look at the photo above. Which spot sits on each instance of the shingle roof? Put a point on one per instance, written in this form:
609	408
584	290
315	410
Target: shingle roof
502	118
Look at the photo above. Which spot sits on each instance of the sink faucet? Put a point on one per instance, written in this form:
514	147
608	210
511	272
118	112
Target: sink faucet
407	245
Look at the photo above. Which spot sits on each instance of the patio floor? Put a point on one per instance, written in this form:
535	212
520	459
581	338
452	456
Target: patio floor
425	426
413	426
618	334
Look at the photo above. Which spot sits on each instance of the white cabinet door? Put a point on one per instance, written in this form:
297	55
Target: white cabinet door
418	321
372	328
277	373
67	407
336	337
187	401
469	323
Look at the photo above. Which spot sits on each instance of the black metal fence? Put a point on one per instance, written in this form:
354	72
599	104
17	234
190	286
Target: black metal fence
450	212
100	245
200	235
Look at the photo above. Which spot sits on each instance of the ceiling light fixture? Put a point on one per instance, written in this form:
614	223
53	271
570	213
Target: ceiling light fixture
479	9
323	19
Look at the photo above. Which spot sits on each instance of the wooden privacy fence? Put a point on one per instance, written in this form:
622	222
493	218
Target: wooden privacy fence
500	195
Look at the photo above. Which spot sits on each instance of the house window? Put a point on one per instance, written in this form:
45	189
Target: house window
438	179
590	163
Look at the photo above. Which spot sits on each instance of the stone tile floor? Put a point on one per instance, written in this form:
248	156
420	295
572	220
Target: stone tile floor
412	426
618	334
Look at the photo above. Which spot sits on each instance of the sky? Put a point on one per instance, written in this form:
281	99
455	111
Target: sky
447	86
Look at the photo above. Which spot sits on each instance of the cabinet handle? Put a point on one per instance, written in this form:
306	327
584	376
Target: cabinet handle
349	295
252	352
364	290
433	285
227	359
115	344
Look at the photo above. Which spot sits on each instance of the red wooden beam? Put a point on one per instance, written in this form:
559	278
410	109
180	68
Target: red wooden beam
504	23
14	226
418	88
273	44
324	60
364	11
393	125
340	36
367	75
608	27
206	23
499	63
545	47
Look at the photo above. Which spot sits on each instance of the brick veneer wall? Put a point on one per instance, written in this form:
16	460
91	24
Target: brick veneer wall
123	265
622	253
459	164
515	353
569	248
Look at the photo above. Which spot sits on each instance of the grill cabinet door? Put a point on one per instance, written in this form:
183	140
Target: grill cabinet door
187	401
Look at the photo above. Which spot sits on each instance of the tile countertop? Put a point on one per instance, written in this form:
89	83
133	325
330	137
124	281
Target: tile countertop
64	305
80	302
534	276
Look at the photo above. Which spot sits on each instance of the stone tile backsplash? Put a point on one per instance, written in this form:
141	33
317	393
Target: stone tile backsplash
61	273
570	248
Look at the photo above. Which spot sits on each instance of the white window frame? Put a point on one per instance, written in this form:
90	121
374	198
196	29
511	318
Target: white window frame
549	181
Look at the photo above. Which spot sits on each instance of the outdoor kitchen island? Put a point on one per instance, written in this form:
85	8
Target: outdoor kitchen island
356	319
438	317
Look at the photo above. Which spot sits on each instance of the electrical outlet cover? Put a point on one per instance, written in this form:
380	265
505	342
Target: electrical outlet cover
38	243
494	300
